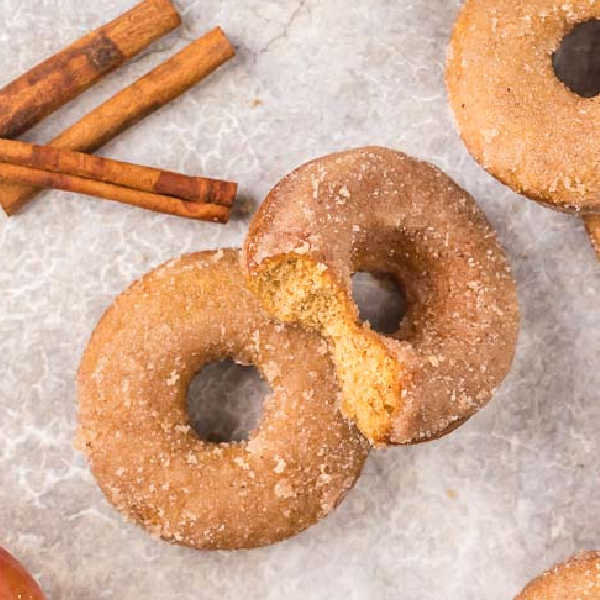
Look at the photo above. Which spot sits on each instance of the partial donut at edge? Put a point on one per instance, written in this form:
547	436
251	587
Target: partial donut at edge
517	119
576	579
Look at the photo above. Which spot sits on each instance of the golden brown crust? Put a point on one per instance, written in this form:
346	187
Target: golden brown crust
576	579
515	116
133	425
378	210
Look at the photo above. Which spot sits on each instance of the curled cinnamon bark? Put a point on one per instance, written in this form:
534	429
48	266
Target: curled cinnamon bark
147	187
127	107
58	79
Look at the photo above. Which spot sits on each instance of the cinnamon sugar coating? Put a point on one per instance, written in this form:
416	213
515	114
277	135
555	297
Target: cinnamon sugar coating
133	426
518	120
576	579
374	209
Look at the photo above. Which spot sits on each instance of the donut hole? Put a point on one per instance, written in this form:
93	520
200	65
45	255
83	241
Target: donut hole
381	300
225	401
576	62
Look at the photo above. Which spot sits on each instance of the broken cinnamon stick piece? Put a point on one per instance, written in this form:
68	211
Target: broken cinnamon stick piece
137	177
592	224
156	202
127	107
60	78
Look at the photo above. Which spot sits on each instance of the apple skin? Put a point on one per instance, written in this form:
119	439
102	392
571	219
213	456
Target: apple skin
15	582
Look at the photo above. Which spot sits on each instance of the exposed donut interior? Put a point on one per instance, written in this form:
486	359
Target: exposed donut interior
296	288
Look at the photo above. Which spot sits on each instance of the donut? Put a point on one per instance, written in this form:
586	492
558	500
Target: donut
15	582
373	209
522	123
295	467
576	579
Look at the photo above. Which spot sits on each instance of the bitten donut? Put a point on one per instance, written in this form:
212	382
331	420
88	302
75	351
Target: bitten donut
516	117
577	579
373	209
132	383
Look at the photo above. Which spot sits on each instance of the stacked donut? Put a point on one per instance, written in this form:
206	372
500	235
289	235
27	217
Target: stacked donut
284	304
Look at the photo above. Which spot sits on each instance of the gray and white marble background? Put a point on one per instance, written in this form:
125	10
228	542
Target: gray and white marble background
474	515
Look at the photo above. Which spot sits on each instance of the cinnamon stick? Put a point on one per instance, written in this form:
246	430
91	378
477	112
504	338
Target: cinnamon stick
60	78
147	94
592	224
156	202
137	177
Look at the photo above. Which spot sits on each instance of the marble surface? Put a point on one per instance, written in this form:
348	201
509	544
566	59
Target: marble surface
474	515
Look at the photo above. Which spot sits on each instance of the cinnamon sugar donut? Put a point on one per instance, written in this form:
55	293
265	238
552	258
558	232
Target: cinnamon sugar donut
577	579
373	209
524	125
295	468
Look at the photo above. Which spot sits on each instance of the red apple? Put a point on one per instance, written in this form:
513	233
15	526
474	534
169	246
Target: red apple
15	582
